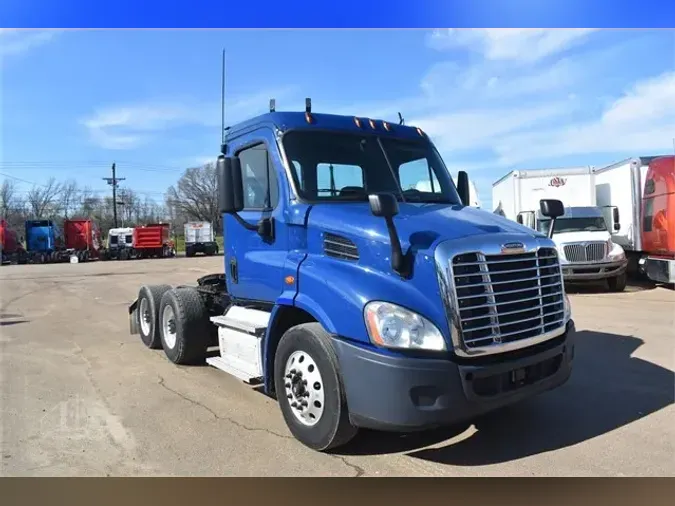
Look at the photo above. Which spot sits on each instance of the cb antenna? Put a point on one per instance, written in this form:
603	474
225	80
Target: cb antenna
401	121
222	101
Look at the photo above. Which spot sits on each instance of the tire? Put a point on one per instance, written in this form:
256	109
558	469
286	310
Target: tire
149	298
332	428
183	310
618	283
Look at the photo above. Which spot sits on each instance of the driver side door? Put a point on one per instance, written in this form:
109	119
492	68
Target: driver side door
254	262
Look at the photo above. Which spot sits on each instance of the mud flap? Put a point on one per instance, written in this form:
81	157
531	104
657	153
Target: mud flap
133	318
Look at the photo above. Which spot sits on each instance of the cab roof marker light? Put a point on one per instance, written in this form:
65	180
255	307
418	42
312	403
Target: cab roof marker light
309	118
372	124
386	126
358	123
419	131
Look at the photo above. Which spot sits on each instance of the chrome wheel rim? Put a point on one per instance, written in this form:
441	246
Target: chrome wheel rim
145	316
304	388
169	327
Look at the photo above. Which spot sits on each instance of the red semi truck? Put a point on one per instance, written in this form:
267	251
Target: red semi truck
153	241
11	249
83	237
640	192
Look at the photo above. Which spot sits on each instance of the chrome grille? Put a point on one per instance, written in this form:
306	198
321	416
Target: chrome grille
506	298
585	252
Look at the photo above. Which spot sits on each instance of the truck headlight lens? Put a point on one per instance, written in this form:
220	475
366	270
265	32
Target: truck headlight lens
391	326
616	252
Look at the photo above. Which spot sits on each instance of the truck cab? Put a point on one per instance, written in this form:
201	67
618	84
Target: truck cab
120	243
584	244
658	220
359	297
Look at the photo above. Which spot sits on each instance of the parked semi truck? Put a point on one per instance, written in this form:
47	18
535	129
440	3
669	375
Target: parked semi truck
363	304
199	239
44	242
146	241
82	238
641	193
582	235
120	244
153	241
11	249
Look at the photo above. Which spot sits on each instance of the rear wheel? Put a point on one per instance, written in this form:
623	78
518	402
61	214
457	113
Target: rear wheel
309	388
149	298
618	283
185	326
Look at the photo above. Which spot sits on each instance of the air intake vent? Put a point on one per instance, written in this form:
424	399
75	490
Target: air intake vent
340	247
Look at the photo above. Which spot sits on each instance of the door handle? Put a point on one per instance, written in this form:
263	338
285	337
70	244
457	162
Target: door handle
234	274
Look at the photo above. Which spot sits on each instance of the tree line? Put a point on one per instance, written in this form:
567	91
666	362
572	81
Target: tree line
193	198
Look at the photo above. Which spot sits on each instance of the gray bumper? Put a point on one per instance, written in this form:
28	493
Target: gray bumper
660	270
593	271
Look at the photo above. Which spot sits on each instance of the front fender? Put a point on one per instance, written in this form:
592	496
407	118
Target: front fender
335	292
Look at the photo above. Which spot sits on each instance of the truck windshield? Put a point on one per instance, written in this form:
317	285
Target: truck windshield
329	166
563	225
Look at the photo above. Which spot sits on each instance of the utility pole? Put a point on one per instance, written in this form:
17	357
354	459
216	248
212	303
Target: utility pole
112	181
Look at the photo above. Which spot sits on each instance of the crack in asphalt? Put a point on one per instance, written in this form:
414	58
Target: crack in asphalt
358	471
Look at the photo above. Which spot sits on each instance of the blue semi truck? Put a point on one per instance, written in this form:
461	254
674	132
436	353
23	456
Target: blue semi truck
44	242
357	299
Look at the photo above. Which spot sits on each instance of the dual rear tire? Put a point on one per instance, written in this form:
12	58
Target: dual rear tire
175	320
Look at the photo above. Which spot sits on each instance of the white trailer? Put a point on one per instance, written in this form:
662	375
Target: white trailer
582	235
518	193
620	186
199	238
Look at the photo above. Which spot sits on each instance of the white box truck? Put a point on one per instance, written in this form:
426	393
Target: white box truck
199	239
582	235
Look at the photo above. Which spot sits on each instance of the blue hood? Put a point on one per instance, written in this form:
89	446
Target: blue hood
422	225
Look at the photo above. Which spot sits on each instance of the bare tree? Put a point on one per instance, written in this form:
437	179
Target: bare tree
68	196
8	197
195	196
43	199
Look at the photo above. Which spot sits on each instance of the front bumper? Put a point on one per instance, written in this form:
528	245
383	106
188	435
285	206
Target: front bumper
660	270
408	394
593	271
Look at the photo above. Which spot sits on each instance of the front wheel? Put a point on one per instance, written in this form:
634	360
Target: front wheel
618	283
309	388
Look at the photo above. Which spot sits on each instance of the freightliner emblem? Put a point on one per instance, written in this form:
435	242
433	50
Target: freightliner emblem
513	247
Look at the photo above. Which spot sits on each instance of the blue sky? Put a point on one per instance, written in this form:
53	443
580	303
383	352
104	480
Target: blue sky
492	100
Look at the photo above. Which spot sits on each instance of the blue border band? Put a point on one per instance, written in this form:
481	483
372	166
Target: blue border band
338	14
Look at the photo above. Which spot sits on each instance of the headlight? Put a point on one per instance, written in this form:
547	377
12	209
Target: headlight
616	252
392	326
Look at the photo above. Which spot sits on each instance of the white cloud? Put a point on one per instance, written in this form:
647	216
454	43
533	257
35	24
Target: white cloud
15	42
512	44
641	122
128	126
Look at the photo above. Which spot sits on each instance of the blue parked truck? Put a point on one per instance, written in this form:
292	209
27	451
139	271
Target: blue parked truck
358	300
44	242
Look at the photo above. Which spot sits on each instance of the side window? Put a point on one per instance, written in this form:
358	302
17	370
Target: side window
257	170
334	179
417	175
648	217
